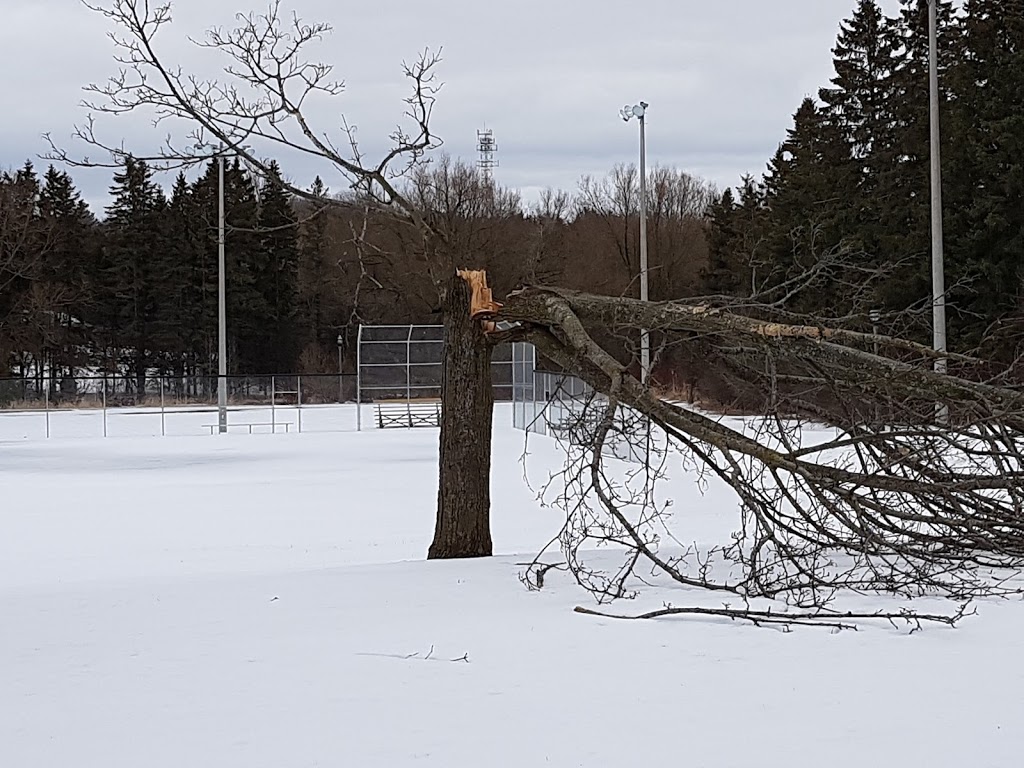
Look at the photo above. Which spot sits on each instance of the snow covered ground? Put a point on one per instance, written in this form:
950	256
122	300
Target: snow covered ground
262	600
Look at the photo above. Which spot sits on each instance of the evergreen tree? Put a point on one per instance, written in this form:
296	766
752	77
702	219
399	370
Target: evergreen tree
134	271
180	315
735	238
722	275
860	99
858	107
277	281
905	192
245	259
67	274
803	198
313	283
201	234
986	179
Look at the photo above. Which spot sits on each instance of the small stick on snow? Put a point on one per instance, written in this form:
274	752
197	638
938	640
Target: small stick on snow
759	618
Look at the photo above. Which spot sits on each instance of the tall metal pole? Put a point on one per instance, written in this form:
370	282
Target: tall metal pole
645	339
222	340
341	375
359	380
938	269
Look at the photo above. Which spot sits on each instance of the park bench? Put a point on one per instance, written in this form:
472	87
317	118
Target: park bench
418	412
272	424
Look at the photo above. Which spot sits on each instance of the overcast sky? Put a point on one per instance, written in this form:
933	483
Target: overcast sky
723	78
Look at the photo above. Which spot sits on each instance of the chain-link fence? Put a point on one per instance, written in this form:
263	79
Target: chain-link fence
564	407
404	362
94	405
97	405
85	391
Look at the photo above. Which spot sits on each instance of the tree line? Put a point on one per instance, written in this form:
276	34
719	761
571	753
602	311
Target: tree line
135	292
845	199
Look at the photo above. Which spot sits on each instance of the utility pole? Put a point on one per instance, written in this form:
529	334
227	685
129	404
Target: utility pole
639	111
222	314
938	267
645	338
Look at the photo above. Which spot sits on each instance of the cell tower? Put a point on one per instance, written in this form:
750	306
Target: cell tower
487	148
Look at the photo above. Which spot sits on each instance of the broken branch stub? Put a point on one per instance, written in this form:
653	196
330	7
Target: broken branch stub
482	304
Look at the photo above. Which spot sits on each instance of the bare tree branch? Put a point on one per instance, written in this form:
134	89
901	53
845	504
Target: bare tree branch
262	103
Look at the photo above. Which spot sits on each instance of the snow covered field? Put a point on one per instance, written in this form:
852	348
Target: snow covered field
250	601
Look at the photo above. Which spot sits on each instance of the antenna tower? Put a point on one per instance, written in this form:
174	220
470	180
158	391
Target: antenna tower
487	148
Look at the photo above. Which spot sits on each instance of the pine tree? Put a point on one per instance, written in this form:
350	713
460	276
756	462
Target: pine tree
313	283
721	275
245	259
858	107
67	271
179	318
859	100
201	234
134	270
803	203
735	240
277	282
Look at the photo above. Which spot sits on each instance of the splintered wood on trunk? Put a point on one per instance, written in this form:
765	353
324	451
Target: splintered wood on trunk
463	527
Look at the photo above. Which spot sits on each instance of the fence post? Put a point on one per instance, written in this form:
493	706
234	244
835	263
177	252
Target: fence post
408	365
298	396
104	405
163	425
341	374
273	412
359	381
46	406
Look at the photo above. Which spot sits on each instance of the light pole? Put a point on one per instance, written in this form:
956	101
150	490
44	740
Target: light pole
639	111
938	269
222	311
876	318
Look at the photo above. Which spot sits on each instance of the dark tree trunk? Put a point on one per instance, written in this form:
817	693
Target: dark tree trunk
463	527
140	371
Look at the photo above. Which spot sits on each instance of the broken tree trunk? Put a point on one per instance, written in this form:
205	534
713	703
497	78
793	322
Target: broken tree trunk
462	528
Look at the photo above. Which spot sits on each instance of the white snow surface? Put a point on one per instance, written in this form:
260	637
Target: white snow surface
263	601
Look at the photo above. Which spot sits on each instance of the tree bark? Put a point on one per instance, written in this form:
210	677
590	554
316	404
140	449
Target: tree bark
463	527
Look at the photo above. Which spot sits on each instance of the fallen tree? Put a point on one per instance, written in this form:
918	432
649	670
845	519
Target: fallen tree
895	501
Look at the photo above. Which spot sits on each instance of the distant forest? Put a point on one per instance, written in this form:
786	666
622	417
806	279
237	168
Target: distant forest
842	209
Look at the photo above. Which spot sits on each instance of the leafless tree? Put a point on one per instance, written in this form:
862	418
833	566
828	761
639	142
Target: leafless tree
262	104
543	256
25	239
614	201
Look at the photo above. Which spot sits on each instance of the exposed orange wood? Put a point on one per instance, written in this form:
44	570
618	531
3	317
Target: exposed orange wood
482	304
